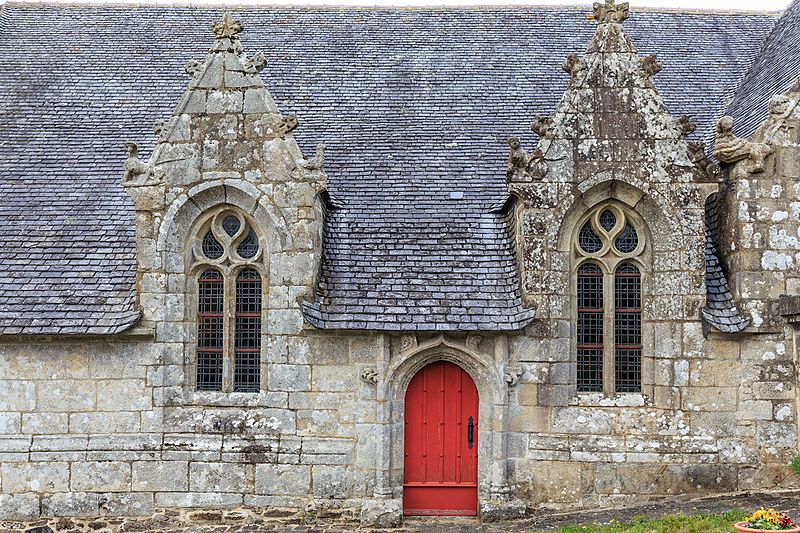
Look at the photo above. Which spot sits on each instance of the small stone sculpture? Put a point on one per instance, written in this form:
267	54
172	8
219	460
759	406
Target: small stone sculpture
537	166
193	67
255	64
729	148
316	162
574	65
288	124
518	159
686	127
610	12
650	65
161	126
473	342
408	342
227	28
135	167
698	157
542	126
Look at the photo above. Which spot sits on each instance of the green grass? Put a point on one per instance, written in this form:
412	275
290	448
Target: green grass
719	523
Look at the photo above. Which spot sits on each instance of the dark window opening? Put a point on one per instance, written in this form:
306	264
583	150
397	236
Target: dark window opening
590	328
628	329
210	330
247	341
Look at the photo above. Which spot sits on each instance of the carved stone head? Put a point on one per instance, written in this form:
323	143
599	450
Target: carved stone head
132	148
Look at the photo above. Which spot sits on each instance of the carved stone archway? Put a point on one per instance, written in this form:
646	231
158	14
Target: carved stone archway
487	367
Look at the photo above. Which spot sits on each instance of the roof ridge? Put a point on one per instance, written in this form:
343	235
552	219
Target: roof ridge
220	5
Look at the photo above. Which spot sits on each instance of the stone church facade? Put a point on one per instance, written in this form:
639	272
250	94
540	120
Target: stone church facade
624	328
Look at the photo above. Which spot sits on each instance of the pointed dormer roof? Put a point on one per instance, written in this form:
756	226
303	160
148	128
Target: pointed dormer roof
226	125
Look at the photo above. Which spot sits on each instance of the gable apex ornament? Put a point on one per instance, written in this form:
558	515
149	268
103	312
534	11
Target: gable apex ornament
227	28
610	12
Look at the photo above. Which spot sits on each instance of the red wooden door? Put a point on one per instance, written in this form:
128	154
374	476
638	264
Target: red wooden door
440	475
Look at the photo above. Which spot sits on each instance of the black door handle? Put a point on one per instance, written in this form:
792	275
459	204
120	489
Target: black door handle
470	432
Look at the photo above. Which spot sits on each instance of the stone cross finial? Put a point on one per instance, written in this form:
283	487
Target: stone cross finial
610	11
228	28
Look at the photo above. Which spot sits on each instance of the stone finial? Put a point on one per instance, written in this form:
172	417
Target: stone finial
574	65
518	159
227	28
650	65
729	148
610	11
542	126
135	167
685	127
316	162
255	64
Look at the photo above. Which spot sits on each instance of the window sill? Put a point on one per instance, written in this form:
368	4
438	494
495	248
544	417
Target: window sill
185	397
598	399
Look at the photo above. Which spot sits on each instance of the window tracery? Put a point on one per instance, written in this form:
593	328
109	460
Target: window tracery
227	259
608	299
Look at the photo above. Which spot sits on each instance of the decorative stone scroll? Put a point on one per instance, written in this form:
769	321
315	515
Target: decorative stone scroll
610	12
729	148
574	65
369	375
408	342
650	65
512	377
255	64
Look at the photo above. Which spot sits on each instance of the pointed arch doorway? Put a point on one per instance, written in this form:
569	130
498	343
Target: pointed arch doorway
440	470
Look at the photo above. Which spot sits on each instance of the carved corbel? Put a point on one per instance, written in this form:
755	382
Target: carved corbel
255	64
512	377
137	172
574	66
316	162
610	12
370	376
729	148
650	65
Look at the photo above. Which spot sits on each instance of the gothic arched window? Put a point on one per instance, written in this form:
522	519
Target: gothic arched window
609	303
228	269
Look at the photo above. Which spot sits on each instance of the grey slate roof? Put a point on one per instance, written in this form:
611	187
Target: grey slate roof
414	105
776	70
720	311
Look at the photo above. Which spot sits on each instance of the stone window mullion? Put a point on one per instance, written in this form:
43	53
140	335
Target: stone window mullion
608	333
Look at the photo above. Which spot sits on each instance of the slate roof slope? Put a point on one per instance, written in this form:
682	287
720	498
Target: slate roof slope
720	311
775	70
413	104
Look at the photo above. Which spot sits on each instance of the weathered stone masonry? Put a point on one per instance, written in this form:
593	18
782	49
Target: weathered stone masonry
114	425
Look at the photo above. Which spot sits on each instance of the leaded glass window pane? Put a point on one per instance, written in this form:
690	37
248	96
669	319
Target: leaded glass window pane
247	372
590	328
210	305
628	329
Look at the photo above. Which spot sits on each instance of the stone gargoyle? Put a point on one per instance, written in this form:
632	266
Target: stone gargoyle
574	65
729	148
698	157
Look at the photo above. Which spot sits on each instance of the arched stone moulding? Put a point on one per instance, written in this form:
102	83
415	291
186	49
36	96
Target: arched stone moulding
487	370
